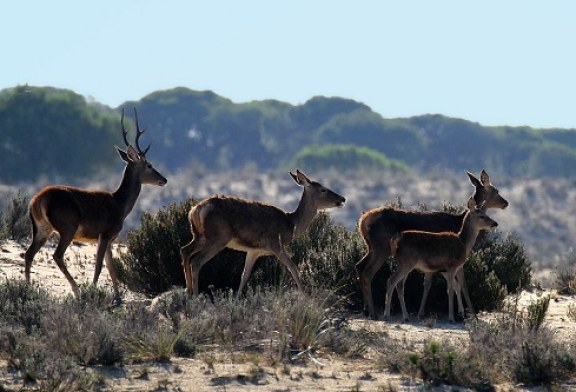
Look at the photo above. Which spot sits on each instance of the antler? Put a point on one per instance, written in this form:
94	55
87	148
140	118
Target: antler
124	131
138	134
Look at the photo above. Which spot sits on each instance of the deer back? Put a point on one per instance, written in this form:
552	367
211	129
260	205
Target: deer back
247	223
428	252
92	211
384	222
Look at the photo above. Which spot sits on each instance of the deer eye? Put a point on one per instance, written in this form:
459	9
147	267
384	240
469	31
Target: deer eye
149	165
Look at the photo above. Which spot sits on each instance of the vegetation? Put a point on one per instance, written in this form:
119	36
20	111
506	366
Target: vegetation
68	137
60	343
346	158
14	220
53	134
514	346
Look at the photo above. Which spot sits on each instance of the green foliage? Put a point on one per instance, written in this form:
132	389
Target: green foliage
67	137
345	158
51	133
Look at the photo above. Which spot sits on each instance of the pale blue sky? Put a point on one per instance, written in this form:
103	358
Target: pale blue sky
507	62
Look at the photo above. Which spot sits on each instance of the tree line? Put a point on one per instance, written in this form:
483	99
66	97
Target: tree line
54	134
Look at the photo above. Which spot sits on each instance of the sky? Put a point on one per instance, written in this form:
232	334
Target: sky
507	62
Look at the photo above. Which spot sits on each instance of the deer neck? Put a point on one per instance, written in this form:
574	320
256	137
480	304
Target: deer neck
304	214
128	191
468	233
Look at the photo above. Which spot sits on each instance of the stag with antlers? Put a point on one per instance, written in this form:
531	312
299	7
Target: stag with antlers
90	216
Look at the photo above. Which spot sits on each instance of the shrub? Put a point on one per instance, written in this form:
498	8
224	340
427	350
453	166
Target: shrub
565	281
294	324
14	221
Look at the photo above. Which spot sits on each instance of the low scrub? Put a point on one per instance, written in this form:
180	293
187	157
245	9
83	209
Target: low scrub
515	347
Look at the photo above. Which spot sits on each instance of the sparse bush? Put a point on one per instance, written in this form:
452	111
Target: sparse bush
14	222
23	304
295	324
565	282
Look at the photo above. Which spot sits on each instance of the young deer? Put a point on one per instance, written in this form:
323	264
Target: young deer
90	216
258	229
435	252
379	225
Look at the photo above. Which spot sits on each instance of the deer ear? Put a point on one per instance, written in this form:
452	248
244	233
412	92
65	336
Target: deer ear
485	178
300	178
474	180
132	154
123	154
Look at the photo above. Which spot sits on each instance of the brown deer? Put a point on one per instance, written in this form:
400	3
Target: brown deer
90	216
435	252
258	229
379	225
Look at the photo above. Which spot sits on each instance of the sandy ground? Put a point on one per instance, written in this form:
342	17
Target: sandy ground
223	373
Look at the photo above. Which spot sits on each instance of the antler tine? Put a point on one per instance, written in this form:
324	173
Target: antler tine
124	131
138	134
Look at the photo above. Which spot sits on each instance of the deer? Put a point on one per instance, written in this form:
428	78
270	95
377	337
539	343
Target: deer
435	252
253	227
379	225
90	216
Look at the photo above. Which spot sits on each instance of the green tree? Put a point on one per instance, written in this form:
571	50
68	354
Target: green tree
51	133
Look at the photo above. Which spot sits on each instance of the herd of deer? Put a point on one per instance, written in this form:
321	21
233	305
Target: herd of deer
430	242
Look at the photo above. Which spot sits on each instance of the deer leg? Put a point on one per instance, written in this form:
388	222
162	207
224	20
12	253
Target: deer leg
391	284
196	262
289	264
428	277
400	289
103	243
367	268
457	290
186	252
63	243
39	238
450	282
464	288
251	258
112	271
